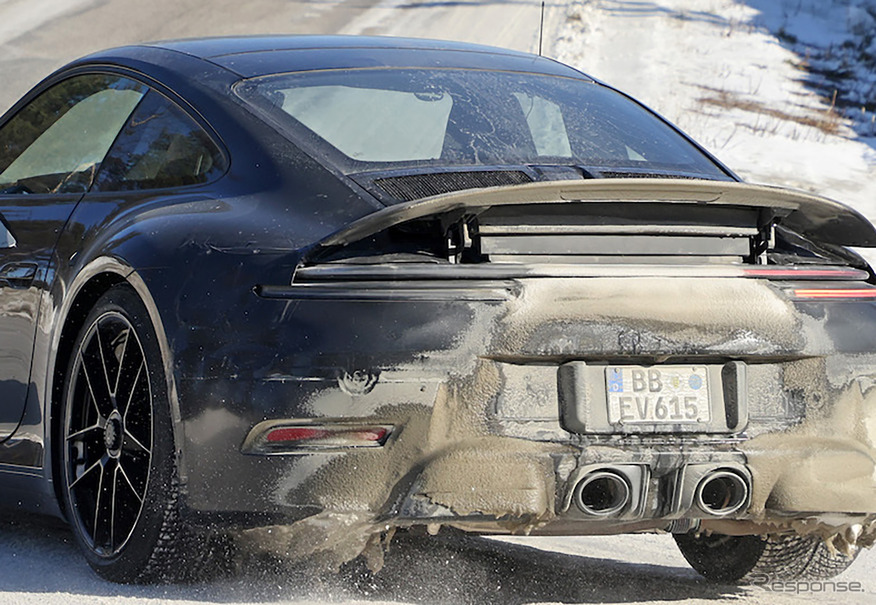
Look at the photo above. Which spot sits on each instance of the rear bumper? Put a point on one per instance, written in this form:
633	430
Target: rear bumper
471	390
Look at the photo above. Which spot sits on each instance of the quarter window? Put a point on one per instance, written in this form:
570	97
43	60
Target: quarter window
160	147
56	143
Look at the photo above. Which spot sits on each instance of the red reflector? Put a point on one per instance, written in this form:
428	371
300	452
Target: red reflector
299	433
296	434
837	293
370	435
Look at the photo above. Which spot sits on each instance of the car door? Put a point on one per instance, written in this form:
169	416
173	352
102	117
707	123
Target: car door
50	151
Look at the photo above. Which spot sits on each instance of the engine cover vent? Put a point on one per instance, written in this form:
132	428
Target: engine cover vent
416	186
617	174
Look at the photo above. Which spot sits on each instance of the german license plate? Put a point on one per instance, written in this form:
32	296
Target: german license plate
657	394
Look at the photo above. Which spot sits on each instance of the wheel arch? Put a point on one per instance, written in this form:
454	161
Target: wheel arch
97	278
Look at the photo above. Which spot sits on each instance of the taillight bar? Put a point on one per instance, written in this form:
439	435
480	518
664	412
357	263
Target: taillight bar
791	273
294	437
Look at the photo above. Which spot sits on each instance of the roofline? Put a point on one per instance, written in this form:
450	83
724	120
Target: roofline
332	42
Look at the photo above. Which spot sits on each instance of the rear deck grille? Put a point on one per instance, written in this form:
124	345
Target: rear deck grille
416	186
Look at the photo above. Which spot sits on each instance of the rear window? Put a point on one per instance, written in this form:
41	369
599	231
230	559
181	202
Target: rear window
399	126
397	117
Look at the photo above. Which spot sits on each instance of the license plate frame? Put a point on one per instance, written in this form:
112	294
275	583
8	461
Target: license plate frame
658	395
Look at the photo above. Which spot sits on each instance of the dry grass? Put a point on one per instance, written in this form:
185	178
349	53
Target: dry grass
828	121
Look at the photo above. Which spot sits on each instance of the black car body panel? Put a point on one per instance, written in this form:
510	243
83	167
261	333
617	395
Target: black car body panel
395	362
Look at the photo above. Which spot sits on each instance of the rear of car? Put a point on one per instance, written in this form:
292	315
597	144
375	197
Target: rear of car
673	360
650	346
383	285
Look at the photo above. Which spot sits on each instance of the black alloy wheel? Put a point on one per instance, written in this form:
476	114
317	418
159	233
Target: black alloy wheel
118	463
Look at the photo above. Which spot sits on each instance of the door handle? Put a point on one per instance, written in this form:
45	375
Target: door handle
18	275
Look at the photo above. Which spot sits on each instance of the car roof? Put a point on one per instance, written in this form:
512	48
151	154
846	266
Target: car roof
212	48
253	56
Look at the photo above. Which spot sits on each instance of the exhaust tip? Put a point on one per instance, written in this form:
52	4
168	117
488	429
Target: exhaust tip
722	493
602	494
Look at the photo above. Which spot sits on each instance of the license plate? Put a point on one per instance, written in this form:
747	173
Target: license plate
657	394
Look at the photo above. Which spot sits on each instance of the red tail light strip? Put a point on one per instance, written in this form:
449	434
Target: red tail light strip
837	294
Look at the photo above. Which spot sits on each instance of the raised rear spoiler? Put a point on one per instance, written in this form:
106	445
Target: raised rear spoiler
819	218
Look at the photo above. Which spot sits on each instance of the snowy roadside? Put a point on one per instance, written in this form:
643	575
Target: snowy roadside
41	566
715	68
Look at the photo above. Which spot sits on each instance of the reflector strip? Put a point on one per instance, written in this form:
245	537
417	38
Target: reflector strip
295	434
848	293
288	434
276	437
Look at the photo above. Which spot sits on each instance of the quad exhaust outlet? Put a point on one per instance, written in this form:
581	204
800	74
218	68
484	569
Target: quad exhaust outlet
602	493
722	492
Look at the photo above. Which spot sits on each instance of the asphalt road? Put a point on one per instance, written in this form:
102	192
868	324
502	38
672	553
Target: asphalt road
38	36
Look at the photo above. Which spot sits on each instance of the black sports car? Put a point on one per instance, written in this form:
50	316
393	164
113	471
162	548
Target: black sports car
320	288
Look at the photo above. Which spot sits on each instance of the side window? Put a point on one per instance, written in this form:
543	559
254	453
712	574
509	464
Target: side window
160	146
56	143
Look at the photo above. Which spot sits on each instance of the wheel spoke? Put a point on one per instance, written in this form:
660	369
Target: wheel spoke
103	360
136	464
121	362
86	472
81	432
112	519
97	500
133	390
127	504
136	442
130	484
88	384
91	384
138	412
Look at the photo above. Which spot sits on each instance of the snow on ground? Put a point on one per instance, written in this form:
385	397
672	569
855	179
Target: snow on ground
720	71
715	68
40	566
733	73
836	42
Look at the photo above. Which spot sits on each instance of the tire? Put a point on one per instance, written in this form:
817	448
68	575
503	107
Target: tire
755	559
118	463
